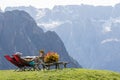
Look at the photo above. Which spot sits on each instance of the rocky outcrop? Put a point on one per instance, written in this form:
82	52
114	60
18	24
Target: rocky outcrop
19	33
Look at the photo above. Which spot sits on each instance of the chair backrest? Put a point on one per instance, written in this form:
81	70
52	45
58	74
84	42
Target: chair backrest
20	60
12	60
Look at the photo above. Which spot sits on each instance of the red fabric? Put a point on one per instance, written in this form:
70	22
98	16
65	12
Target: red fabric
13	61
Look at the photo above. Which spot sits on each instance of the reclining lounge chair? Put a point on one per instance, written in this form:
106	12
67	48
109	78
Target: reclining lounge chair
14	62
28	64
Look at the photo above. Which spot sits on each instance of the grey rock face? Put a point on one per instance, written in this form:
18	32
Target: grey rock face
19	33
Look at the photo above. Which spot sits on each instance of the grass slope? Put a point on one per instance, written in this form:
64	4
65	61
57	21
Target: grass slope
64	74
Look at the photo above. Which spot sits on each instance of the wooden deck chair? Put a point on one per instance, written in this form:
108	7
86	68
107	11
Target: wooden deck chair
28	64
14	62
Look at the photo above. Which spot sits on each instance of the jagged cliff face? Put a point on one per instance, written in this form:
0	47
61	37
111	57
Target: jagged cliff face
90	33
19	33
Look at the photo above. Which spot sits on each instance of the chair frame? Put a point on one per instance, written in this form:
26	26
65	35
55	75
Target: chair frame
26	63
14	62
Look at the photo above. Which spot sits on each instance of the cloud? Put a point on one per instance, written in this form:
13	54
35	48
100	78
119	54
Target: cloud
110	40
51	25
41	13
107	29
117	20
107	26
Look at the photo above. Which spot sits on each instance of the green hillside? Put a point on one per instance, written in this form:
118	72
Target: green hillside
63	74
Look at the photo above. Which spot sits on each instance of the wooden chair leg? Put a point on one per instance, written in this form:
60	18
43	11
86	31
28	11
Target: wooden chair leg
65	64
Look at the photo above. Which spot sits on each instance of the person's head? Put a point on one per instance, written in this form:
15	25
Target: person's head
41	52
18	53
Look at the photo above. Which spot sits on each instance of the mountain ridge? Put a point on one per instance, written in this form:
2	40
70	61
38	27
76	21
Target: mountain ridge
20	33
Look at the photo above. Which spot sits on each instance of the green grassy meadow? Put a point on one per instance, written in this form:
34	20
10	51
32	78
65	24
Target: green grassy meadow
62	74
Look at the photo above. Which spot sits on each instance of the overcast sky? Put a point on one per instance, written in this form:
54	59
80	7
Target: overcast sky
51	3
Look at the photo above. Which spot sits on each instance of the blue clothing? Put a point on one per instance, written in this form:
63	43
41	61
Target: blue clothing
32	63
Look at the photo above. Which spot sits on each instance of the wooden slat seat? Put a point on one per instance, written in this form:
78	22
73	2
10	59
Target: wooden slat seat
56	64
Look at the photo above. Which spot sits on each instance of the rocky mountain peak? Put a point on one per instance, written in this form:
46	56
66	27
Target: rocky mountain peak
20	33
